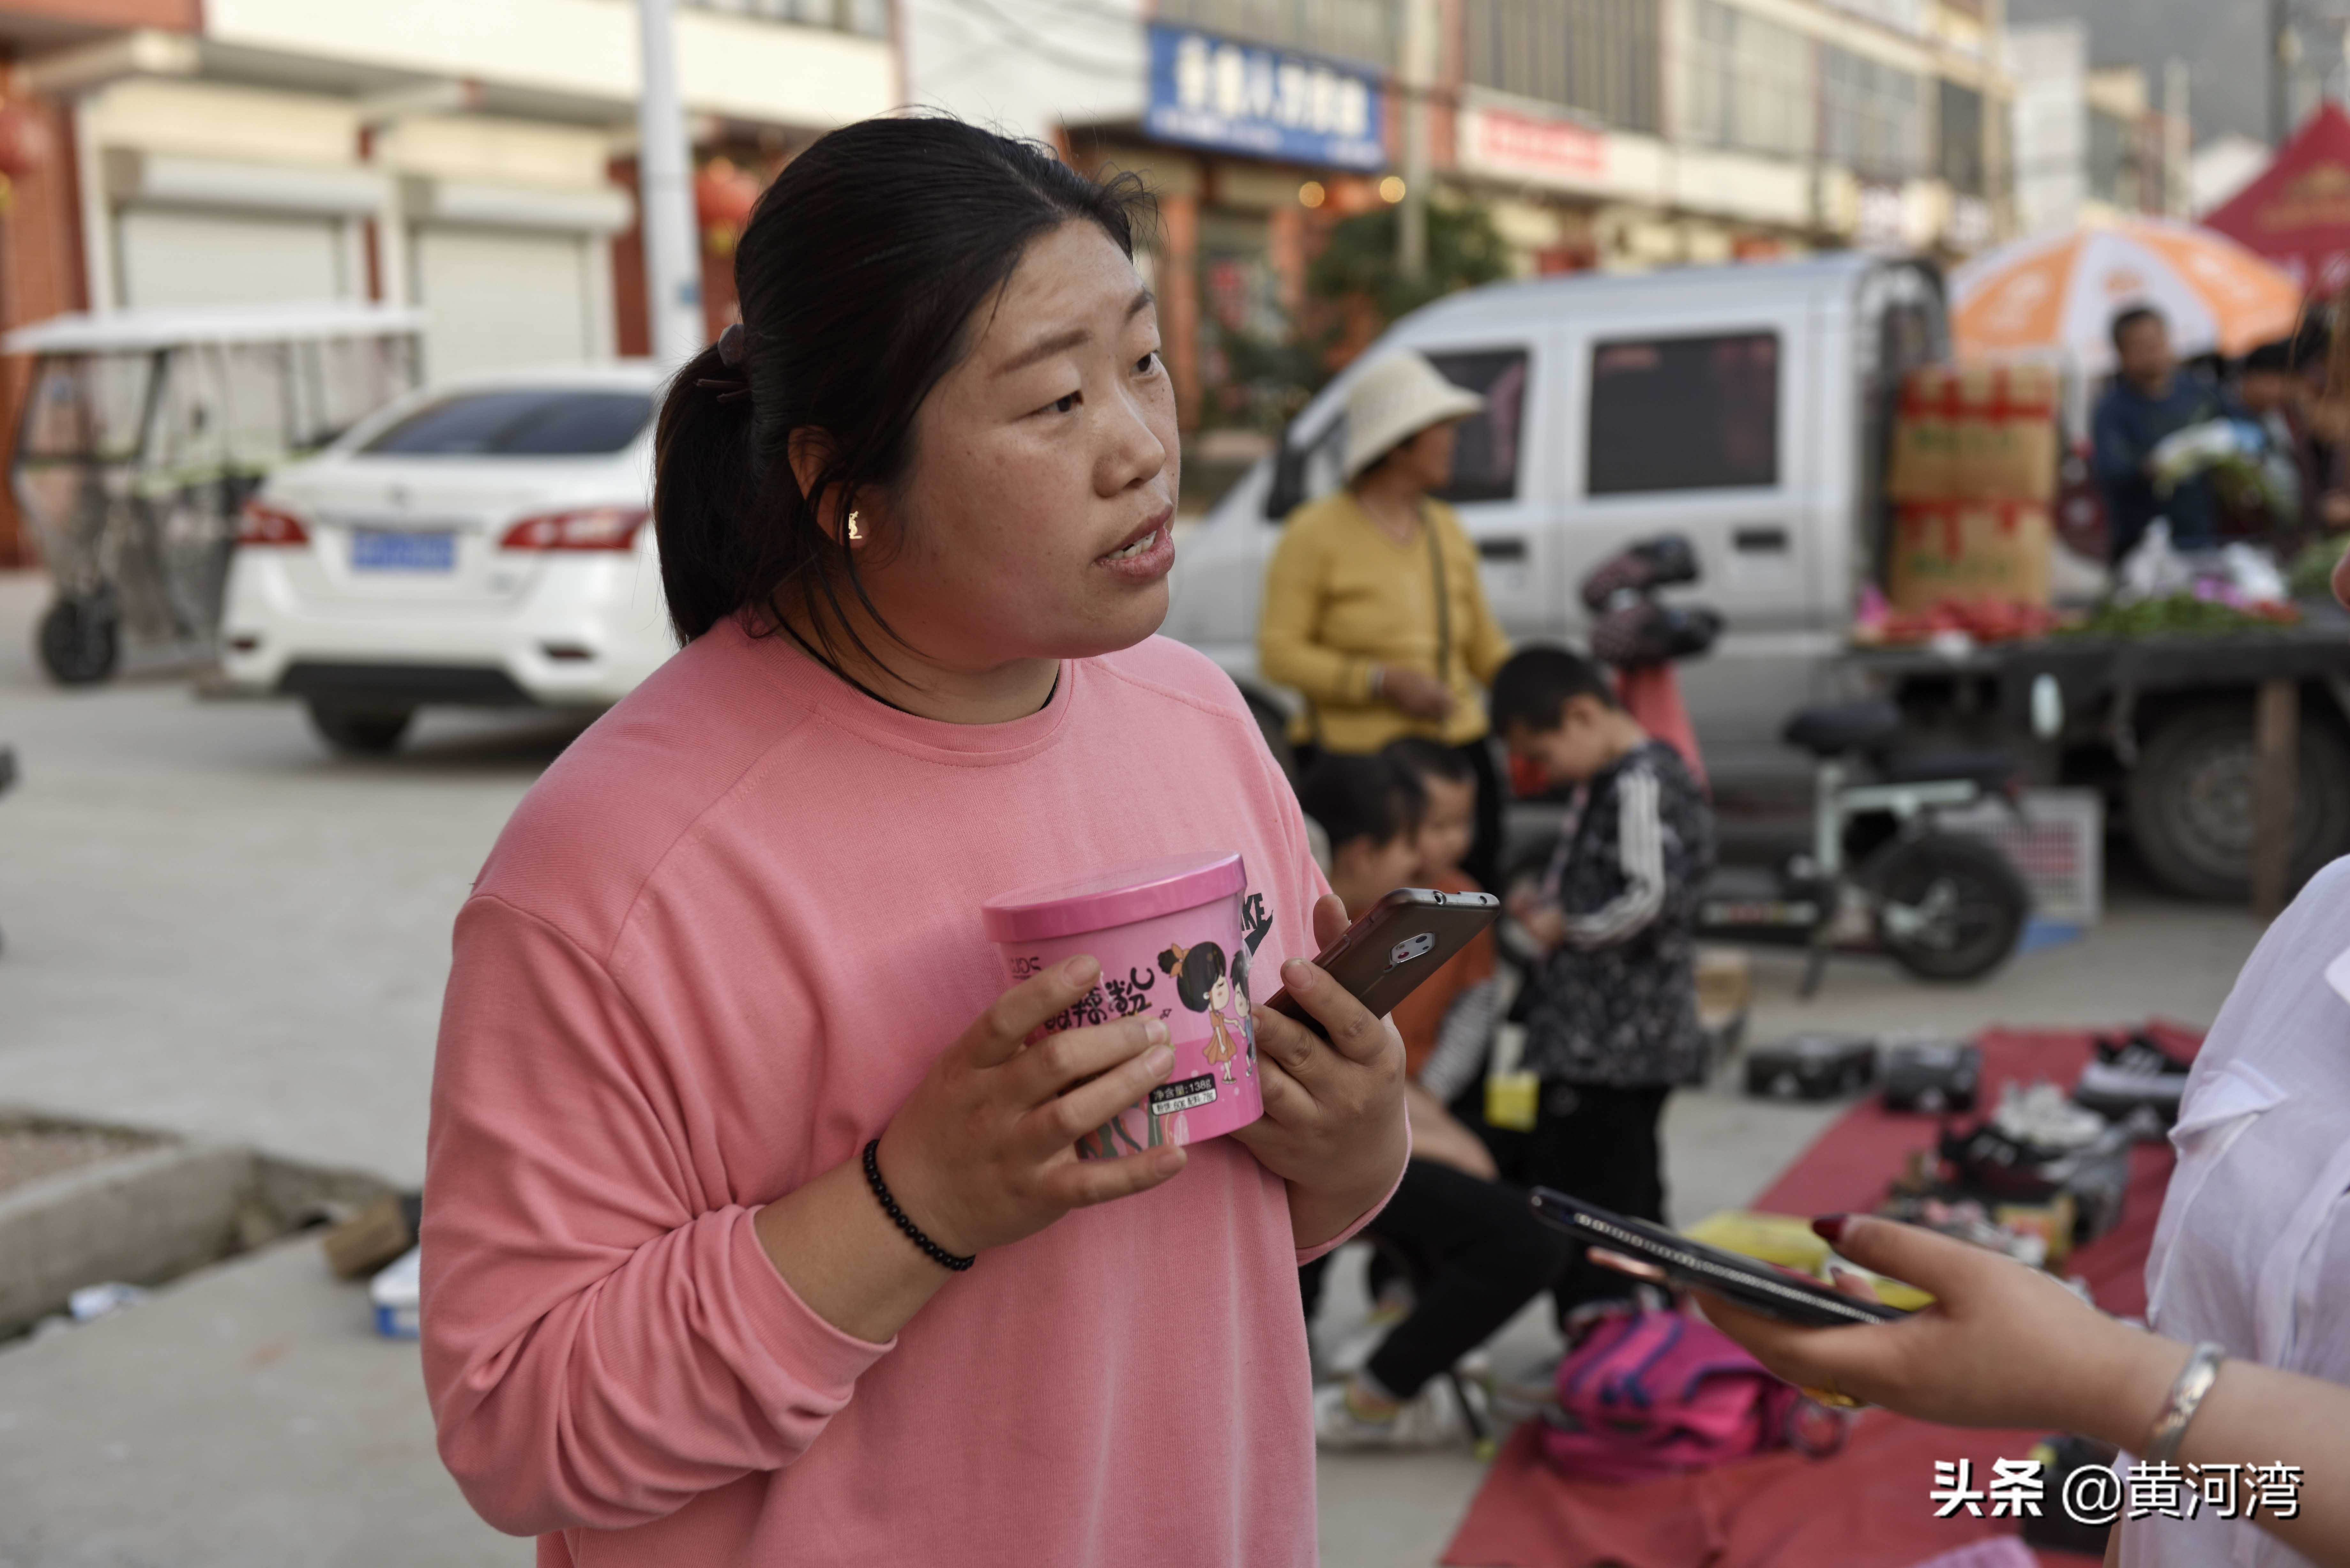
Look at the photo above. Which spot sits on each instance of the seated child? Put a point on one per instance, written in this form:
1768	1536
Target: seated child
1446	826
1477	1249
1610	1009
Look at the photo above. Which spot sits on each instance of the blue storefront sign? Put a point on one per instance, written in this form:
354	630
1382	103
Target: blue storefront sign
1207	92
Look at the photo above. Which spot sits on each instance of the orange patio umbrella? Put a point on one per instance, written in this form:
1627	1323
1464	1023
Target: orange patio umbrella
2055	296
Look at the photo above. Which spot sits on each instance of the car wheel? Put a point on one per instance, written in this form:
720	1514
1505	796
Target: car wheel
2191	800
360	732
80	640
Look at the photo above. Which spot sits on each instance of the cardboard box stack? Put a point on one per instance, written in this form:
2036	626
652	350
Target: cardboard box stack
1972	477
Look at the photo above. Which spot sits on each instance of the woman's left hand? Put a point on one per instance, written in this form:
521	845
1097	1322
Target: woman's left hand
1333	1123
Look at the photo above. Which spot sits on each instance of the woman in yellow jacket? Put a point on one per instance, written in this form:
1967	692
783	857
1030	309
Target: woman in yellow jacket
1373	609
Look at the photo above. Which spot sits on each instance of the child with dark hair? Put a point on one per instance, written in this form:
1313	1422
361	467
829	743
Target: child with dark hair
1369	808
1611	1007
1446	827
1475	1250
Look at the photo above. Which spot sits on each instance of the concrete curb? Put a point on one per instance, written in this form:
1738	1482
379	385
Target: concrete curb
158	1210
145	1218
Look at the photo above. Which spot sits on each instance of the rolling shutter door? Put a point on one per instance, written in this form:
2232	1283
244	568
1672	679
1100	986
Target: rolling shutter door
176	256
504	298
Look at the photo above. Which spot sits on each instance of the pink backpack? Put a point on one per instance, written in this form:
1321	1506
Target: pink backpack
1651	1393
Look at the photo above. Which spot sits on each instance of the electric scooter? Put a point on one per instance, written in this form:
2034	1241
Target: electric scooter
1879	875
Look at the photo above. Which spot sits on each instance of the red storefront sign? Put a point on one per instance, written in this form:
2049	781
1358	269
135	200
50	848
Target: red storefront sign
1501	143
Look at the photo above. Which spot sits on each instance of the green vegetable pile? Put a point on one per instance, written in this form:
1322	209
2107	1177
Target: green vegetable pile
2179	614
2311	576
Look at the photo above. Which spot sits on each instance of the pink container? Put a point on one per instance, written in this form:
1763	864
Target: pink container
1169	942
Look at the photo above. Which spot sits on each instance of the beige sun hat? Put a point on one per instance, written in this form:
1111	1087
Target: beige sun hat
1395	399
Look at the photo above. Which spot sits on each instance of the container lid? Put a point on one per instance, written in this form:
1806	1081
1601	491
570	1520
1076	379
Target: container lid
1102	899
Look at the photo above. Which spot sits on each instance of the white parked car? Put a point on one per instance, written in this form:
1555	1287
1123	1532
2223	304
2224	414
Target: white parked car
484	542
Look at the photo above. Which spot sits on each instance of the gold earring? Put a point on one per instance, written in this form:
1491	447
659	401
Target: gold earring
855	534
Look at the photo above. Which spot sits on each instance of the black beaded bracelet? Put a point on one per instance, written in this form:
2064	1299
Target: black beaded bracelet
931	1250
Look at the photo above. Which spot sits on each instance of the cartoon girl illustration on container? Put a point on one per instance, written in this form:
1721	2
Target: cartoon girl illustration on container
1203	985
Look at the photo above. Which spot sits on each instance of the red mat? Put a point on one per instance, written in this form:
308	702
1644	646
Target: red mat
1866	1506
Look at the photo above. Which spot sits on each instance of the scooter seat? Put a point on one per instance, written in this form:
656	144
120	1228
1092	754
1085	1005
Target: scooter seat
1987	767
1838	729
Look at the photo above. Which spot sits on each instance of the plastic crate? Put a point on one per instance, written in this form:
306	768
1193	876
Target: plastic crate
2057	842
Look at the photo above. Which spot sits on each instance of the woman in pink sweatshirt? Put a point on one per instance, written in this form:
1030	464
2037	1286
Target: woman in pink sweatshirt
721	986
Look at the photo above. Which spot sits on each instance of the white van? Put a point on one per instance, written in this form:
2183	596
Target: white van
1743	406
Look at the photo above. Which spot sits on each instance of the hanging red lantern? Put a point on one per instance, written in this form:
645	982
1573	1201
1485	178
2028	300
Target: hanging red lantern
723	196
26	143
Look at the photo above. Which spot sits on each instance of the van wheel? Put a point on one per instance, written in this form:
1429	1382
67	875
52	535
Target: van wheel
2191	800
360	732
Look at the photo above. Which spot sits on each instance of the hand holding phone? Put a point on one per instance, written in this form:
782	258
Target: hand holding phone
1757	1286
1334	1126
1400	940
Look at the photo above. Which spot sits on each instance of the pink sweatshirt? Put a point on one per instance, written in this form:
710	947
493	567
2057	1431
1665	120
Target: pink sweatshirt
714	952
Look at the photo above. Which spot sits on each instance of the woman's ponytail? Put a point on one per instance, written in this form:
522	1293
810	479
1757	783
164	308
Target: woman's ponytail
706	491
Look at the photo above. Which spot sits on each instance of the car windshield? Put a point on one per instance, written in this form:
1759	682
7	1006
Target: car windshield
518	421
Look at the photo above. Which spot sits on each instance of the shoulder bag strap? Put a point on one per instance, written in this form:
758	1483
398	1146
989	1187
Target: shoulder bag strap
1443	596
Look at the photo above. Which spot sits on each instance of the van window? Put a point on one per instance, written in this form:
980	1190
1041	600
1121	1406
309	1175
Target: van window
1684	413
1485	456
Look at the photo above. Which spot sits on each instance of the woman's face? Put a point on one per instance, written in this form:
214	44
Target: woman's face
1427	456
1035	519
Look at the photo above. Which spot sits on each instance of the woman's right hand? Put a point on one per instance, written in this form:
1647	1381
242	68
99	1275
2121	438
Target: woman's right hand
2003	1345
1416	692
984	1151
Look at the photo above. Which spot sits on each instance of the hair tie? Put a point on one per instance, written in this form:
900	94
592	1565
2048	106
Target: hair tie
730	353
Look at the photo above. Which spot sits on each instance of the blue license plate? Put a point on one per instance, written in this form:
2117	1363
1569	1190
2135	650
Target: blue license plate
383	550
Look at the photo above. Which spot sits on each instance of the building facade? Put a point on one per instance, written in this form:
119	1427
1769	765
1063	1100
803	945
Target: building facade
472	157
1642	133
1596	133
2101	141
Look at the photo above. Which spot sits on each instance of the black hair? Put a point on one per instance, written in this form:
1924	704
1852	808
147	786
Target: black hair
2312	342
1372	798
1425	758
1196	969
2129	317
1534	685
859	274
2275	359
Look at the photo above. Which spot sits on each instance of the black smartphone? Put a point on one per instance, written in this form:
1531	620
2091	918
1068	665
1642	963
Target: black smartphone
1748	1282
1399	941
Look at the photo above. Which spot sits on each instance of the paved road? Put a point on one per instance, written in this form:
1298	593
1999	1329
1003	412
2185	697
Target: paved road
214	927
